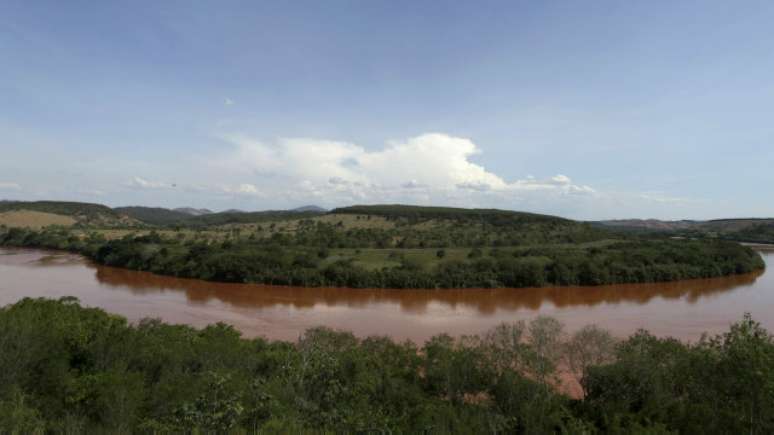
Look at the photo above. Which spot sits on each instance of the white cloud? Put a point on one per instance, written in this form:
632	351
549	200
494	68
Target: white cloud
228	102
242	189
141	183
434	167
10	186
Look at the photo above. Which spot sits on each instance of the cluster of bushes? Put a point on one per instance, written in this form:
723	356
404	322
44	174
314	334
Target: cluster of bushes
289	260
68	369
760	233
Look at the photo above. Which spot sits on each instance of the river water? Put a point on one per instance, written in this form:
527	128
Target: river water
682	309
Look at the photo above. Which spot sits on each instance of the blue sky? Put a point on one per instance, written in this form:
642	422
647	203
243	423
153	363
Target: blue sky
584	109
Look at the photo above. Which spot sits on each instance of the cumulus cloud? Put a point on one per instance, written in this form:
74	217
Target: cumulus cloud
141	183
242	189
432	165
10	186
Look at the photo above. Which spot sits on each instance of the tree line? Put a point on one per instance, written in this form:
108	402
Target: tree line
70	369
290	259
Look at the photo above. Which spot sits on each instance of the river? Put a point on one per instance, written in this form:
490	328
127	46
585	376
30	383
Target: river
682	309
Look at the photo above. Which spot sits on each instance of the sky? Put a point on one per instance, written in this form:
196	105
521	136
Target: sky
588	110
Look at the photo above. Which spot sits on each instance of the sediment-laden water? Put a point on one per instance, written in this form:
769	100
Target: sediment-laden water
683	309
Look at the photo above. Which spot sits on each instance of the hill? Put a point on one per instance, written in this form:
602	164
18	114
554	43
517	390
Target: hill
244	217
414	213
647	224
397	246
34	219
205	218
309	208
82	213
154	215
758	230
193	211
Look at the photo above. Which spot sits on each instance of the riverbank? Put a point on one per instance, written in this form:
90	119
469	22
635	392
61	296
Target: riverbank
682	309
269	262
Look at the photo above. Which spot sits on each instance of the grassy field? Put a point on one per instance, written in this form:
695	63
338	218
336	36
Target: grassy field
34	219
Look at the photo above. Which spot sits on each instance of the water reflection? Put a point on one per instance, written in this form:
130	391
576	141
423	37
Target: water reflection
683	309
484	301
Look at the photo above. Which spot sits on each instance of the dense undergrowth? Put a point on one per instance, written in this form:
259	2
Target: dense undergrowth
69	369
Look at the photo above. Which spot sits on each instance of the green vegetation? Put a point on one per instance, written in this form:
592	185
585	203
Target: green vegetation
166	217
68	369
415	213
225	218
154	215
84	214
59	207
34	219
398	247
758	233
753	230
318	255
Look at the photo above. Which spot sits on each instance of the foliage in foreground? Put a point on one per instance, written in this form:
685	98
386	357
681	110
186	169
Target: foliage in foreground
65	368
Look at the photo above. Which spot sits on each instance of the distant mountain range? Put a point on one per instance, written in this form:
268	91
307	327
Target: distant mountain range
649	224
203	216
757	230
718	225
193	211
302	209
754	230
307	208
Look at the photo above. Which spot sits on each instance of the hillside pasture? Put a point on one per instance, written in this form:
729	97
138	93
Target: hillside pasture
34	219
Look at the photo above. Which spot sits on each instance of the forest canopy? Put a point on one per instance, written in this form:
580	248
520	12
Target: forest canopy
69	369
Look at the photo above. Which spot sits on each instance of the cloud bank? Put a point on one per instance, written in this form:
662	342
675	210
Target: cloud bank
9	186
433	167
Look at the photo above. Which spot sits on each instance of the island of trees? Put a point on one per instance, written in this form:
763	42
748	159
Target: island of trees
389	246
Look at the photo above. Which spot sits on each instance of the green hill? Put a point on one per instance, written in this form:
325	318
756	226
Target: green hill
396	246
60	207
154	215
757	230
83	213
758	233
226	218
166	217
412	212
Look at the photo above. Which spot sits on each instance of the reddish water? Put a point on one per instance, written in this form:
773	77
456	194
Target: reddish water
681	309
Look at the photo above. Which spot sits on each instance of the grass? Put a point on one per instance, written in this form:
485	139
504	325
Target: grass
34	219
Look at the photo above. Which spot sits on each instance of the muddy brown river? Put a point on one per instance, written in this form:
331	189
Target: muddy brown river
682	309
